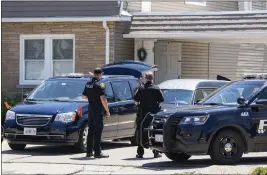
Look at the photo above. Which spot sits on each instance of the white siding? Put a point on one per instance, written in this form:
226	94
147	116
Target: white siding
233	60
259	5
131	6
203	60
195	60
181	6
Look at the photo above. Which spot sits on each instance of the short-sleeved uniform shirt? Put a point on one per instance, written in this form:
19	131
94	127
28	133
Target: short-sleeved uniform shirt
149	96
93	90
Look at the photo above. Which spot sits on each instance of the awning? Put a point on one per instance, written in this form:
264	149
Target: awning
202	25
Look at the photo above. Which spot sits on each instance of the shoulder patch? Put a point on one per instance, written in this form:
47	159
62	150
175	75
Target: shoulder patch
102	85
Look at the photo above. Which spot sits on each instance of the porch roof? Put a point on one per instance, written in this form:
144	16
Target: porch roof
199	25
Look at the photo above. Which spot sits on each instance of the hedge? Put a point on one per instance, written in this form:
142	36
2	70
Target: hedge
11	101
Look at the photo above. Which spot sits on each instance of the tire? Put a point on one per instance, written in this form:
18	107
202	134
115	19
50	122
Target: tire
134	139
227	147
17	147
81	145
178	157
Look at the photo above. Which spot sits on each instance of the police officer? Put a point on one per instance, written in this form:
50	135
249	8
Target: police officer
94	91
148	97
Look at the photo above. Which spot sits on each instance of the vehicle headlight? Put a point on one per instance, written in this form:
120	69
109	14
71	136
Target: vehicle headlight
65	117
195	120
10	115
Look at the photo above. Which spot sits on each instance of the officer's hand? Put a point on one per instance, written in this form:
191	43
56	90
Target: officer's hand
107	115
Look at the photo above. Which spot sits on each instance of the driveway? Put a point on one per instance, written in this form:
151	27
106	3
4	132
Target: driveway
64	160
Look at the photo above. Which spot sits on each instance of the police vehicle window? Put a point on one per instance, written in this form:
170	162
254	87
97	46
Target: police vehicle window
122	90
134	85
199	95
109	92
263	96
59	90
230	94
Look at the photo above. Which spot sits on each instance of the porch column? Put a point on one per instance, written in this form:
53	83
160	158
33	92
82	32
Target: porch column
148	45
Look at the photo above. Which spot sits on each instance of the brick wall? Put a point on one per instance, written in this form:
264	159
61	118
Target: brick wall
89	46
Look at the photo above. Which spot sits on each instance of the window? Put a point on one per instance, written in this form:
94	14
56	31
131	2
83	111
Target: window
196	2
263	96
122	90
134	85
109	92
45	56
202	93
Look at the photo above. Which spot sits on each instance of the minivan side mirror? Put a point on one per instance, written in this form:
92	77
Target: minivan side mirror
25	95
241	101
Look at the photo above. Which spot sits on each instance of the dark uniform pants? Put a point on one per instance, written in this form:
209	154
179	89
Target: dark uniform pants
143	135
95	123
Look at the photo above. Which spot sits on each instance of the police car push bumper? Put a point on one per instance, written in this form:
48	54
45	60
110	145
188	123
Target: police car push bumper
177	135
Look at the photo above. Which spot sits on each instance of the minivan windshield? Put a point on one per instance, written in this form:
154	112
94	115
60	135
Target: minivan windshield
59	90
180	96
229	94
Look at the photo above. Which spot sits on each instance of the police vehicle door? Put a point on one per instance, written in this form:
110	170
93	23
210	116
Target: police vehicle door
126	108
110	125
259	120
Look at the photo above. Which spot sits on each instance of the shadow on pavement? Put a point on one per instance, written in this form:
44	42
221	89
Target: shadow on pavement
198	163
61	150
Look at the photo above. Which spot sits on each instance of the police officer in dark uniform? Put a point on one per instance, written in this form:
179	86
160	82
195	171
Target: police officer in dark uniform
148	97
94	91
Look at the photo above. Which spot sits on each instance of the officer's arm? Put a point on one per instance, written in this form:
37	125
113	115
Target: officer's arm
137	95
103	98
160	96
84	94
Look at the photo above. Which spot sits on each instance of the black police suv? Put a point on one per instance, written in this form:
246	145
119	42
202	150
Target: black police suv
229	122
49	114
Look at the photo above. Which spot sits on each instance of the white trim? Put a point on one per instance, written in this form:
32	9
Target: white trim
105	25
203	3
146	6
67	19
246	37
198	13
48	61
245	6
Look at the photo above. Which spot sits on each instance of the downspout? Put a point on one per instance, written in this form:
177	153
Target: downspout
107	41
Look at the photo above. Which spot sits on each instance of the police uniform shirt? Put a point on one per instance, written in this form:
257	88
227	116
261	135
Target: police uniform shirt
93	90
149	96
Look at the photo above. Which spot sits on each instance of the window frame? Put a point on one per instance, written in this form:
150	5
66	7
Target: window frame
204	3
48	55
115	93
200	88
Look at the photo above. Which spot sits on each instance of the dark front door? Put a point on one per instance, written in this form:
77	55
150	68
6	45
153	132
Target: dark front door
259	121
126	108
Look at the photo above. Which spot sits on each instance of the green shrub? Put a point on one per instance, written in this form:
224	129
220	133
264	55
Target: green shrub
260	171
12	101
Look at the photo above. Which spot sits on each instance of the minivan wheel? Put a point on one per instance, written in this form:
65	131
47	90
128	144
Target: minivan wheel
178	157
17	147
81	145
227	147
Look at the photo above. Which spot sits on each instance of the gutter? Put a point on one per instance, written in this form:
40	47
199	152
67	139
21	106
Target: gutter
107	41
68	19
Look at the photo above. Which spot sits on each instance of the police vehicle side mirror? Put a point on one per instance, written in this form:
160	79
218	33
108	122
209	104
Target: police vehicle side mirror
197	102
262	102
241	101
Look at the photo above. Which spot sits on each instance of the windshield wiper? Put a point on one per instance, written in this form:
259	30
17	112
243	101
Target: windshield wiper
31	99
55	99
212	104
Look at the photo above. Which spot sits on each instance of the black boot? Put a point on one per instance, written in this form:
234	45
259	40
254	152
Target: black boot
139	156
89	155
156	154
101	155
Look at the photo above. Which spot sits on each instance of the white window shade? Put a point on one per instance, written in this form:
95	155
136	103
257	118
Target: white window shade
196	2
